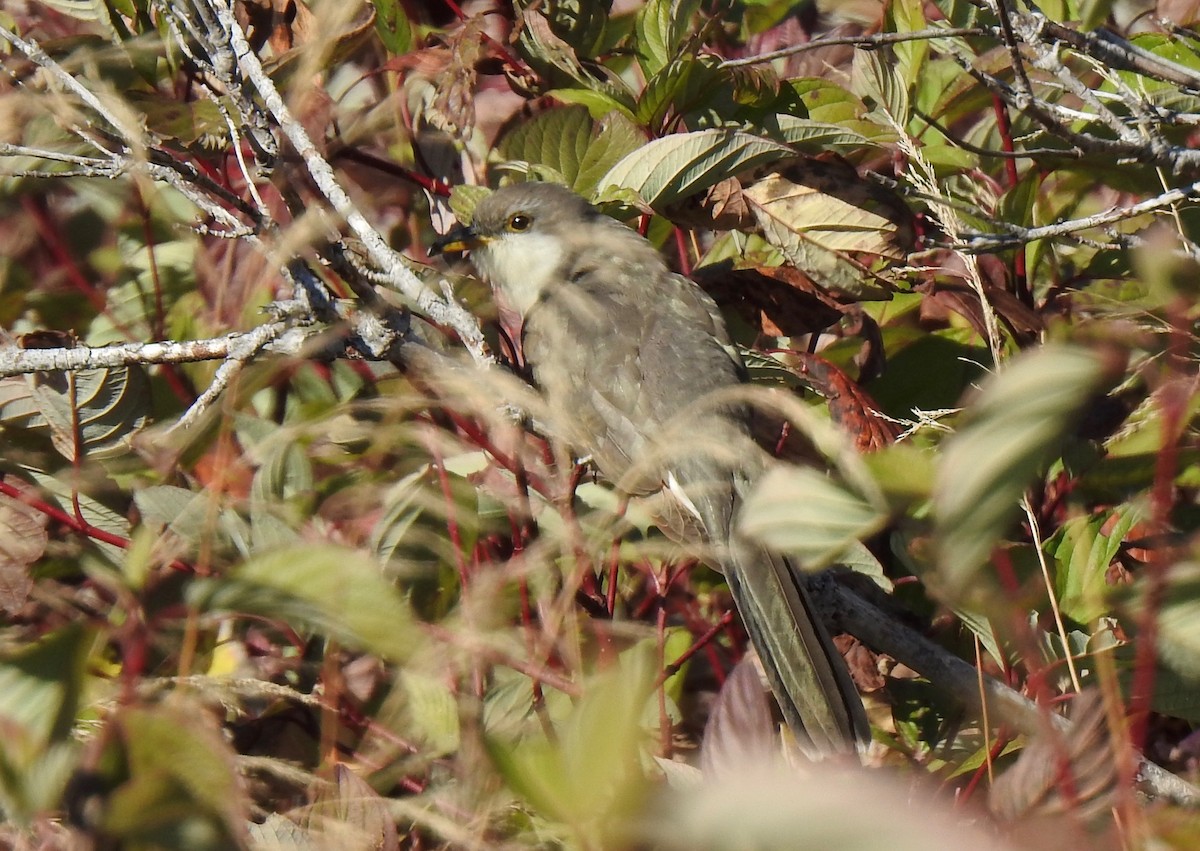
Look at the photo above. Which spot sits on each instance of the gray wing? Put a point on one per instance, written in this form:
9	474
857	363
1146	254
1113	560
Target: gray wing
619	354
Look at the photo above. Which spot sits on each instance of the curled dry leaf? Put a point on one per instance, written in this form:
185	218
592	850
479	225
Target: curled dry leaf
22	541
453	107
850	407
776	301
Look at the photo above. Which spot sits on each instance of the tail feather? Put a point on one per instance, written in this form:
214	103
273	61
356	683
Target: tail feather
811	683
805	671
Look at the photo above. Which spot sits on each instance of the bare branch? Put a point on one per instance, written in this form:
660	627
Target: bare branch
866	42
395	267
980	242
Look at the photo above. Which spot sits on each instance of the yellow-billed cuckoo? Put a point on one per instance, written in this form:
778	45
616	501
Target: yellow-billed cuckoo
636	366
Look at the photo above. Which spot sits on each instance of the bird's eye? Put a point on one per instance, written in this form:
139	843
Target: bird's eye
519	222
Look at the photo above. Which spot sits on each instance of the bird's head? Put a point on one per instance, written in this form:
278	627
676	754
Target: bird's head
520	236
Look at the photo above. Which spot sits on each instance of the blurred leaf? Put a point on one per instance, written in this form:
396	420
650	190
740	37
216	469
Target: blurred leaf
40	684
1071	772
392	26
284	472
1178	622
93	512
672	168
334	591
182	789
904	472
432	710
280	833
154	275
23	540
800	511
400	510
740	732
1011	430
83	10
591	774
185	122
350	814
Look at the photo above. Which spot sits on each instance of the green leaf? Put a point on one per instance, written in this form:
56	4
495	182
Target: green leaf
554	55
598	104
392	26
806	134
1013	427
828	102
94	513
40	684
568	141
800	511
92	412
908	16
660	30
1178	621
678	166
1083	551
617	138
332	590
432	710
682	86
183	788
464	199
592	773
879	80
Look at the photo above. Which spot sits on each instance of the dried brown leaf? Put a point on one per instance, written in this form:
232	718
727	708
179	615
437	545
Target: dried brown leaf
23	540
850	407
351	815
778	301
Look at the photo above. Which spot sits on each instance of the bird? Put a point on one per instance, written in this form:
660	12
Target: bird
639	376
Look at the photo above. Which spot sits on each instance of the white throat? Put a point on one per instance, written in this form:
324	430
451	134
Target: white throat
520	265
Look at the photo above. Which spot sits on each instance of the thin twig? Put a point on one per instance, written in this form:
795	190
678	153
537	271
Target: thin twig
865	42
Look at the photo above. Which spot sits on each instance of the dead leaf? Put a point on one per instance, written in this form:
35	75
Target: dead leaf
776	301
351	815
453	107
721	207
819	209
861	662
851	408
23	540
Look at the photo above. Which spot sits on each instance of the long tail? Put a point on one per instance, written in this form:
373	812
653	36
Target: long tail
807	674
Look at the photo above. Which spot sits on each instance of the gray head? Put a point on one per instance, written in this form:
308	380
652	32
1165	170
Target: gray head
521	235
530	207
